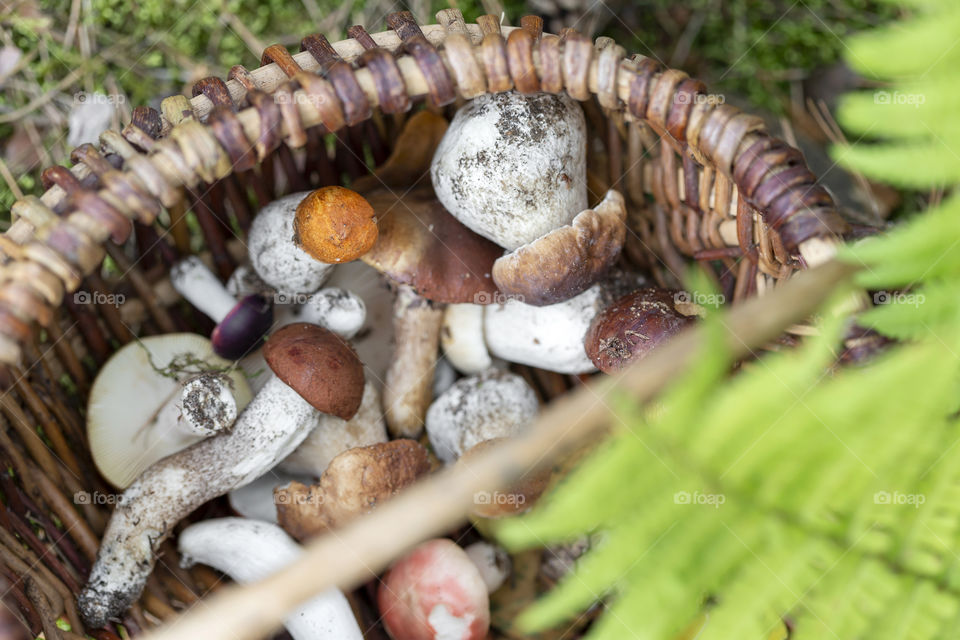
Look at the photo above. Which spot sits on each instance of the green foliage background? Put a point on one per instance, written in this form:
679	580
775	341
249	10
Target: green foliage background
796	496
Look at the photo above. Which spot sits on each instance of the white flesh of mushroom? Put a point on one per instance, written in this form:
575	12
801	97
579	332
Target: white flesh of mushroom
249	550
135	410
276	258
274	423
333	308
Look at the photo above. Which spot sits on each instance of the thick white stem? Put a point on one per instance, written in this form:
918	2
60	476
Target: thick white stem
274	423
194	281
249	550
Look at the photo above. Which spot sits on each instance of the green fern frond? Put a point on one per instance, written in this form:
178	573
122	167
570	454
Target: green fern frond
791	491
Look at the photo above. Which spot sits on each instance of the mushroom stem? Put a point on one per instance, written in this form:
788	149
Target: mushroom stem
249	550
200	287
204	407
274	423
408	388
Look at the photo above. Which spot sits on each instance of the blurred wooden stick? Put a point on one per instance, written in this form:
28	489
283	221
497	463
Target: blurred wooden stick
349	556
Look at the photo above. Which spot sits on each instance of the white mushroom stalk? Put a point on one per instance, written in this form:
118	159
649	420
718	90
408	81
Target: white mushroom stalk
339	310
271	427
249	550
193	280
408	388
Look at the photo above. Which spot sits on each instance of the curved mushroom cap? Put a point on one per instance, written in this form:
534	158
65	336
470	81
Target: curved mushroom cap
512	166
334	224
435	591
275	257
564	262
126	428
422	245
356	481
522	495
319	365
490	405
632	327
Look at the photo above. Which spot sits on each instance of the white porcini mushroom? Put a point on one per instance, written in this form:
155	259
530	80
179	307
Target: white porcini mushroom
461	337
241	324
512	167
152	398
249	550
280	416
334	435
492	561
274	255
494	404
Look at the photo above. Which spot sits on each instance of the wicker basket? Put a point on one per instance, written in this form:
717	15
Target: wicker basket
704	182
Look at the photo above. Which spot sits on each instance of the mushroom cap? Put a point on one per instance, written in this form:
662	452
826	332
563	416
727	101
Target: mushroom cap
512	166
490	405
422	245
126	428
435	591
354	483
632	327
334	224
275	257
519	497
243	329
409	161
319	365
567	260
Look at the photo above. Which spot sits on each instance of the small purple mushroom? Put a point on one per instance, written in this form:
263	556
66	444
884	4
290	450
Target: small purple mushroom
241	326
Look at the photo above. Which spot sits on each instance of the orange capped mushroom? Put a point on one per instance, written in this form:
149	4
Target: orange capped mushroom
334	224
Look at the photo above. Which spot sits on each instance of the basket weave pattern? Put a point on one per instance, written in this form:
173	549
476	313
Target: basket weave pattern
704	181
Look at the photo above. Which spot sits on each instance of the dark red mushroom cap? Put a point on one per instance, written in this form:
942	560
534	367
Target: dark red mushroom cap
633	326
319	365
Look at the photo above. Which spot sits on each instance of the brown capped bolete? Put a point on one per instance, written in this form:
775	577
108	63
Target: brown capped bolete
334	224
633	326
566	261
311	366
423	246
354	483
333	381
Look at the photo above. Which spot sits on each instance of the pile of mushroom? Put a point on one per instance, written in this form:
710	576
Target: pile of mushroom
396	310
